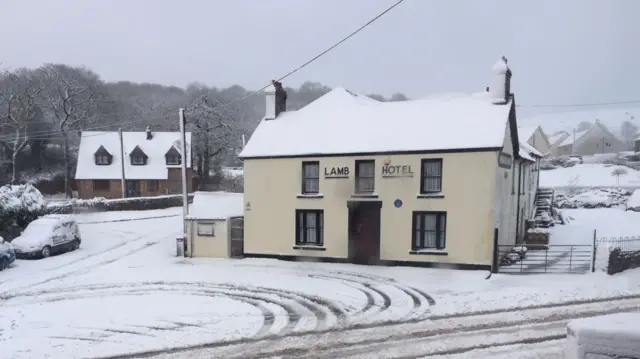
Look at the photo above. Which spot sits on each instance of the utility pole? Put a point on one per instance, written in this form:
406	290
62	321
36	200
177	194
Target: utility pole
185	188
573	145
123	181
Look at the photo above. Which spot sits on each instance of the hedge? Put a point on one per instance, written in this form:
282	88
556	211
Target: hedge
123	204
620	260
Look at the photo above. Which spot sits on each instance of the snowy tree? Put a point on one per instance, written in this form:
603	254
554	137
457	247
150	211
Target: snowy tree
619	171
19	93
72	98
583	126
629	131
215	123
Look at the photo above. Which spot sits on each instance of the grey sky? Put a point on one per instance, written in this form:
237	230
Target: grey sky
561	51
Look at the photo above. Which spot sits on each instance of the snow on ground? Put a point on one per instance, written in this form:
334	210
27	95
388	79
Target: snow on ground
125	291
589	175
608	223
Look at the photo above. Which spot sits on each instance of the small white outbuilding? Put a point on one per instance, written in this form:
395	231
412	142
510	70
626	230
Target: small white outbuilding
215	225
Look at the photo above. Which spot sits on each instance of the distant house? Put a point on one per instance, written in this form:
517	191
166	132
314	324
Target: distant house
636	145
350	179
535	137
595	140
152	164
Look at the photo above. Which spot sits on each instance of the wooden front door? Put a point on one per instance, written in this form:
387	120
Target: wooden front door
133	188
364	232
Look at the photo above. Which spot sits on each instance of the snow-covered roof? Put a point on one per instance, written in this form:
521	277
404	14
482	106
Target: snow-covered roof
216	205
527	151
342	122
155	149
569	140
557	136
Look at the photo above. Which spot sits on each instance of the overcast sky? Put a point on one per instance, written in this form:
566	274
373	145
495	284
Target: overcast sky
560	51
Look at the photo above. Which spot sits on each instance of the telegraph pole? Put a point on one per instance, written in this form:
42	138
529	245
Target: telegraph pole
185	188
123	181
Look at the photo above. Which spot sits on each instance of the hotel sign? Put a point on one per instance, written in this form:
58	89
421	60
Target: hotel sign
505	160
392	171
336	172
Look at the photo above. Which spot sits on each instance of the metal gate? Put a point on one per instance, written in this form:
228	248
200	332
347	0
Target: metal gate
236	230
545	259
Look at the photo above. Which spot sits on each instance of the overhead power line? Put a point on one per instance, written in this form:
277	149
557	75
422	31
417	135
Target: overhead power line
595	104
251	93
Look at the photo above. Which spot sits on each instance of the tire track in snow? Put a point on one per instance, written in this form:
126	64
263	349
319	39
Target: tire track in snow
296	305
425	339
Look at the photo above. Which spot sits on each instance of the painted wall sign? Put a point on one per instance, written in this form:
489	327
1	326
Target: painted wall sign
397	203
397	171
504	160
336	172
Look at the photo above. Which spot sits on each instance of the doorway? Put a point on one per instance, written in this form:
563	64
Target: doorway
364	232
133	189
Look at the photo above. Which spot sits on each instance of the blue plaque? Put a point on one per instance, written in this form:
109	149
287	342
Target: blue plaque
397	203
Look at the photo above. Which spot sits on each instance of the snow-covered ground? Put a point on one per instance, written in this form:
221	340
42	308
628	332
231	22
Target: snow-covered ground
125	291
589	175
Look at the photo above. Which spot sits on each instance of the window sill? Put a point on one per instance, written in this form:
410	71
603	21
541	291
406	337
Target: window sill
309	195
310	248
364	195
430	252
431	195
205	235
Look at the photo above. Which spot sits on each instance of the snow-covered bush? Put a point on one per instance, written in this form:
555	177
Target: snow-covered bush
593	198
19	205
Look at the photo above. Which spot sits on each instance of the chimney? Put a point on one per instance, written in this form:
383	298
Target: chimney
276	100
501	90
149	133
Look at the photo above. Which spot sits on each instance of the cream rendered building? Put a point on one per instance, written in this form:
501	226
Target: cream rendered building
350	179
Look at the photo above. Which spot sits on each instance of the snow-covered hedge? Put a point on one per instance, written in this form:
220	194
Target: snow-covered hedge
593	198
19	205
633	204
100	204
551	163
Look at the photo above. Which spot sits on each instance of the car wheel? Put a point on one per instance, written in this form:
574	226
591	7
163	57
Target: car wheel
4	263
75	245
46	252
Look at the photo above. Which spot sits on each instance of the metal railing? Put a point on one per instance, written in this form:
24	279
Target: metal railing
545	259
624	243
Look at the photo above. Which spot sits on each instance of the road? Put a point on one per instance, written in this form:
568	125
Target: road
534	331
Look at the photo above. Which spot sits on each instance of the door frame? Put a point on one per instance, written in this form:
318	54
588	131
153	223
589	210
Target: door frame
376	208
136	185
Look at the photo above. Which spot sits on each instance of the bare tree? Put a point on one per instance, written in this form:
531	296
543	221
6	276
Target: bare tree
215	128
18	108
72	97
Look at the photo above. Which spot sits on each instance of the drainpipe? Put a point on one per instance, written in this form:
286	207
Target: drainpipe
518	202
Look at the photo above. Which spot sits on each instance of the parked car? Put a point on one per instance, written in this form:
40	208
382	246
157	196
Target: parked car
48	235
7	254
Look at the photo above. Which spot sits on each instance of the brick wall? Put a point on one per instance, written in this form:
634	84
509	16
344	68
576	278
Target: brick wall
173	185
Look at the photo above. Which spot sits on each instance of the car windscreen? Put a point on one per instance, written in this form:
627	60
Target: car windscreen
39	227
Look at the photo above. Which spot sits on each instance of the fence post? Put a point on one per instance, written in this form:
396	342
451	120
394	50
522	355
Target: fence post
570	258
494	266
593	252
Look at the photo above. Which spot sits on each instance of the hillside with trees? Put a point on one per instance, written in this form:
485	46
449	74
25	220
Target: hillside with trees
43	110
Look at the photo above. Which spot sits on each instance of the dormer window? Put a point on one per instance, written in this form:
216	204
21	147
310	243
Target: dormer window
138	157
102	157
173	157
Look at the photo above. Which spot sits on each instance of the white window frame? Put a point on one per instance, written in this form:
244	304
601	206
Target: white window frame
211	233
